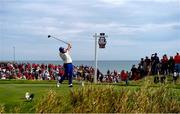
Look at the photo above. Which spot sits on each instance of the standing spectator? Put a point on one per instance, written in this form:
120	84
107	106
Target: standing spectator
155	64
141	67
171	65
135	73
124	76
177	63
147	66
164	62
108	72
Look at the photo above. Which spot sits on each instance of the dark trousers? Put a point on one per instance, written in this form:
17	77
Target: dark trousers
68	72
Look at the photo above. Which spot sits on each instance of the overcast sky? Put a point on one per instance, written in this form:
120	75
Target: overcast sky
135	28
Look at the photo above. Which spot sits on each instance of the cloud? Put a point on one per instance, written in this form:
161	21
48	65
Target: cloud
176	27
125	28
164	1
114	2
130	24
118	3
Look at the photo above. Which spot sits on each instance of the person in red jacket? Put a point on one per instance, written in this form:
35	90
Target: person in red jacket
177	63
124	76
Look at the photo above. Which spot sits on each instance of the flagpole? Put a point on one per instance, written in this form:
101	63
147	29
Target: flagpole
14	54
96	53
95	59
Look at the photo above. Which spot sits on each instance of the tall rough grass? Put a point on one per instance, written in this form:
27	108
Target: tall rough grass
108	99
105	99
154	100
2	108
51	103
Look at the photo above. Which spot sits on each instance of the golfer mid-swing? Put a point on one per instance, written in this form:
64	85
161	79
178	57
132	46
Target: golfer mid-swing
68	67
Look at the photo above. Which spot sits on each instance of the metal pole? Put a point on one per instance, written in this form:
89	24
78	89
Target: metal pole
95	73
14	54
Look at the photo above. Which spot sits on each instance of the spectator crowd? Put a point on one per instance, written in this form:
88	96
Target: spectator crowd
148	66
157	67
30	71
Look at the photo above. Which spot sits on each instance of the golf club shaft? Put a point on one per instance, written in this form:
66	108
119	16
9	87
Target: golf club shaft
59	40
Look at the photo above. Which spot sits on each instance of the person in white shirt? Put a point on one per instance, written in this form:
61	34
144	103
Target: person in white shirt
68	66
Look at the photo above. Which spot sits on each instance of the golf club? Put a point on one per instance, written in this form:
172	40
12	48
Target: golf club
49	36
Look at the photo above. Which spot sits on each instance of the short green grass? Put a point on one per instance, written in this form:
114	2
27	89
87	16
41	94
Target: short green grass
12	92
